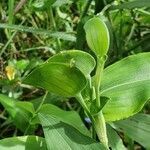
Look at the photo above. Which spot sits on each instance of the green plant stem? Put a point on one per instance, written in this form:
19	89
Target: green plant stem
37	110
99	120
100	127
98	75
55	28
38	48
11	4
11	11
86	8
42	102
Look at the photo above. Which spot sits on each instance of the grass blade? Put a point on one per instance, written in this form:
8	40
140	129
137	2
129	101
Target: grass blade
132	4
60	35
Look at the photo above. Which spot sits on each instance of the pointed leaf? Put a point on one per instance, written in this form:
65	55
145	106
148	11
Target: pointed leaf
127	83
93	107
69	117
115	142
57	78
23	143
61	136
137	128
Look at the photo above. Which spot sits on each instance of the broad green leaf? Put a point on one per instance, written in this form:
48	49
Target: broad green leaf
115	142
132	4
20	112
60	35
57	78
69	117
23	143
61	136
127	83
97	36
82	60
137	127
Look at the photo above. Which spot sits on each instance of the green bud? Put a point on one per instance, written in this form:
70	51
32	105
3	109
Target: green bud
97	36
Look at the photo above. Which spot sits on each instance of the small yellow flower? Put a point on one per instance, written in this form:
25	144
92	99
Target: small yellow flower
10	72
